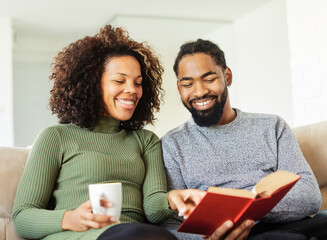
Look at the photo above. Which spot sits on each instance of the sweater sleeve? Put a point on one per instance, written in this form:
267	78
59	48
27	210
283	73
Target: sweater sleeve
31	217
304	198
173	171
155	199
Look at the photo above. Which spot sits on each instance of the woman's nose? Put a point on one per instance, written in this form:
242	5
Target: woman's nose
130	88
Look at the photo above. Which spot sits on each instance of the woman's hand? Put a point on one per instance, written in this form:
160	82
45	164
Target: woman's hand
82	219
224	231
184	200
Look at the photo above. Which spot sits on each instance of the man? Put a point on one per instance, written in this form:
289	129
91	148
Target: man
223	146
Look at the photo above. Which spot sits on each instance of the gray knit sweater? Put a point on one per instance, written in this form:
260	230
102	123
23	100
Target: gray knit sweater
238	155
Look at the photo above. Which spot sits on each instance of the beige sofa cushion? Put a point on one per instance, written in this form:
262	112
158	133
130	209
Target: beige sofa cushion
12	163
7	230
313	143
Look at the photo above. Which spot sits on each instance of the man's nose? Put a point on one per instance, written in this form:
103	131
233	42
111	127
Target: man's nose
200	89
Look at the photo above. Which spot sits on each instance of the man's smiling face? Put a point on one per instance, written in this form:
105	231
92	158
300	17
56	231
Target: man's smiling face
202	86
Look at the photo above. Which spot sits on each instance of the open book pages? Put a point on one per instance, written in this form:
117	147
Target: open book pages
265	187
274	181
232	192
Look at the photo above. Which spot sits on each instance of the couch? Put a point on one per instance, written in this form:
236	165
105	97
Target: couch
312	140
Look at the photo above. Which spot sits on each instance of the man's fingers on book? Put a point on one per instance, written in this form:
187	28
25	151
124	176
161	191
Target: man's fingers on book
244	235
228	224
220	231
242	231
249	223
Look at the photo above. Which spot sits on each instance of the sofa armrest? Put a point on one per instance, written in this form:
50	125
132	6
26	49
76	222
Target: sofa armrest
12	163
313	143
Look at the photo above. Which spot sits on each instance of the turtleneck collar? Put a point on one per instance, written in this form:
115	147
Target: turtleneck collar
107	125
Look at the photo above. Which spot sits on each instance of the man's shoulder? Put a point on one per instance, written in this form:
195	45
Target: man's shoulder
265	121
262	117
256	115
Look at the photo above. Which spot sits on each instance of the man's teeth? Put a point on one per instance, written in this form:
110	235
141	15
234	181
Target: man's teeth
126	102
203	103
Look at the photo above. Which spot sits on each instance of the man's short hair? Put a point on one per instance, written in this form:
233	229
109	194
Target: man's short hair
201	46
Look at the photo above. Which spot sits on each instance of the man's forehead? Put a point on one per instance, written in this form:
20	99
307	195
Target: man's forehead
197	65
192	77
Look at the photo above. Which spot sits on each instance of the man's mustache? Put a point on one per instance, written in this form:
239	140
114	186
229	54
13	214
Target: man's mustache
202	98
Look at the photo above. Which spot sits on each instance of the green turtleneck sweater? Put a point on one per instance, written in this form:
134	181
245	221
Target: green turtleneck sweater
65	159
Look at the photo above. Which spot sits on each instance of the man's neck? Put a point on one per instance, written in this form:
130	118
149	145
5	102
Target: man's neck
228	116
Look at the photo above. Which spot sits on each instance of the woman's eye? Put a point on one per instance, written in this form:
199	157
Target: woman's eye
138	84
119	81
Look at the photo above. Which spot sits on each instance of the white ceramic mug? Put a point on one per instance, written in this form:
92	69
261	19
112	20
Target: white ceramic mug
109	191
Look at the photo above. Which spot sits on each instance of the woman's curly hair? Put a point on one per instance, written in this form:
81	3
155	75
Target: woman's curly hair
76	96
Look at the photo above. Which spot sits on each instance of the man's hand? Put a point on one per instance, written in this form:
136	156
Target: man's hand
184	200
224	233
82	219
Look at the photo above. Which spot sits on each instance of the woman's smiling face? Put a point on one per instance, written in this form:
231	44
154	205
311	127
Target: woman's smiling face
121	84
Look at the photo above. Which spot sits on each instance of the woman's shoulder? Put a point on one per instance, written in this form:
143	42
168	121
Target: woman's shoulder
58	130
63	127
146	138
145	134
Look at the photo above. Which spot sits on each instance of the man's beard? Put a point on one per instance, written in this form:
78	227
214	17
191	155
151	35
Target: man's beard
211	116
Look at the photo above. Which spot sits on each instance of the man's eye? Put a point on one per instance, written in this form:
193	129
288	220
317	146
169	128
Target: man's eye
210	80
187	85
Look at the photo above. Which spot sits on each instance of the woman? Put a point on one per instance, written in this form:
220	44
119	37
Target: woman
106	88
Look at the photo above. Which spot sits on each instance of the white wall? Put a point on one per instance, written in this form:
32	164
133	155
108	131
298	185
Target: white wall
262	59
33	55
31	111
6	84
307	21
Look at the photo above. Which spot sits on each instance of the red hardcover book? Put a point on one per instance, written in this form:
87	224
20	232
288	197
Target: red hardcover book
222	204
